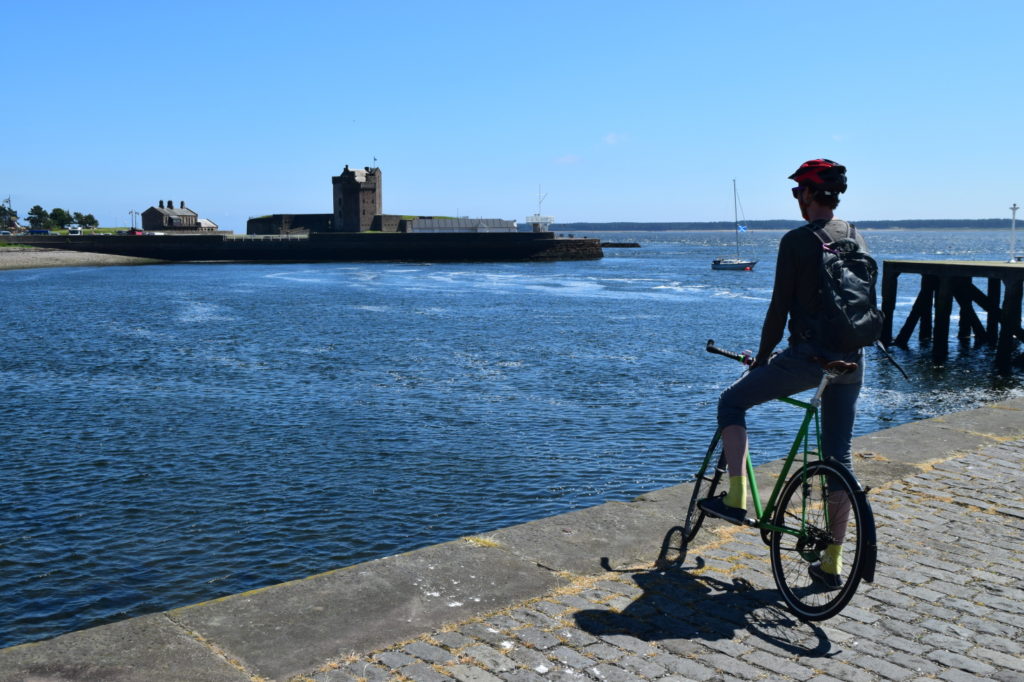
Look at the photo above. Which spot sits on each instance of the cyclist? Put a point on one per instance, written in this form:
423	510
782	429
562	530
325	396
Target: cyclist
796	297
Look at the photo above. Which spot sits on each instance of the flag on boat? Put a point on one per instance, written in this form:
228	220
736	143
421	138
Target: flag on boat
741	228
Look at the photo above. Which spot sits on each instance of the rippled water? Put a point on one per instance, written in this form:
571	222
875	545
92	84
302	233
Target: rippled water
177	433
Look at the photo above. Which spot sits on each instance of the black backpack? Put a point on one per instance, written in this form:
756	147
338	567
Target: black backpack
849	318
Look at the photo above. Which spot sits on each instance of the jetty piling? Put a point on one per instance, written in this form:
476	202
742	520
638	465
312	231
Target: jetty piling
944	283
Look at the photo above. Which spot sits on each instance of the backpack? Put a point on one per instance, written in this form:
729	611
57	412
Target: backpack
849	318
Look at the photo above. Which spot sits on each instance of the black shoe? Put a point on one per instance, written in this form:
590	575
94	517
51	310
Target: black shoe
830	581
716	506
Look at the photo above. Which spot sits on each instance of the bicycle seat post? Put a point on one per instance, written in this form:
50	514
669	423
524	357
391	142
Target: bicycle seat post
826	378
833	369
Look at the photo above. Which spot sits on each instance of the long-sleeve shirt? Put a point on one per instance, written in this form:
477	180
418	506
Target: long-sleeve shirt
796	293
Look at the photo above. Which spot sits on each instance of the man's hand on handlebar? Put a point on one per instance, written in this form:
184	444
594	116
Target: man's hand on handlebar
758	361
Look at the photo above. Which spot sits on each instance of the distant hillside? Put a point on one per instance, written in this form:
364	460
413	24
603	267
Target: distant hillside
983	223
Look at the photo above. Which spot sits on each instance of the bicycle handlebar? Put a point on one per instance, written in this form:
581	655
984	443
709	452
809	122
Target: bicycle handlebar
836	367
739	357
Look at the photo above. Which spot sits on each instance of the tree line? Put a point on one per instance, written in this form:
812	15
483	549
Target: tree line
939	223
41	219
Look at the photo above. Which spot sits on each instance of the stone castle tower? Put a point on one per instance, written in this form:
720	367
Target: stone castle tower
357	199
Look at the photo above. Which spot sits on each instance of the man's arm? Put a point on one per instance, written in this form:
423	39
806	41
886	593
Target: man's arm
782	295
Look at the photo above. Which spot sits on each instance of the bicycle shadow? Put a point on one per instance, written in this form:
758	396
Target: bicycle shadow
679	603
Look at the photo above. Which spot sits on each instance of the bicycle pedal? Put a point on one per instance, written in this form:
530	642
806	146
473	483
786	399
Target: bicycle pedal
716	508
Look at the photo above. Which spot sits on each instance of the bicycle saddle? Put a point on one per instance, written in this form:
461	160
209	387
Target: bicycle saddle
840	367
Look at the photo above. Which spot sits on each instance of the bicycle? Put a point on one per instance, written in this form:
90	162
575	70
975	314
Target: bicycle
802	516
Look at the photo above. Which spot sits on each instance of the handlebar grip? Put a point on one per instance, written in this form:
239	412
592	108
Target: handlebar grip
712	348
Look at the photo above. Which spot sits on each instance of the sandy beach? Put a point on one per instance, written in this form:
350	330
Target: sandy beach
17	258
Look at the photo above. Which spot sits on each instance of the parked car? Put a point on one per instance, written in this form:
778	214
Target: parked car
43	232
5	232
74	232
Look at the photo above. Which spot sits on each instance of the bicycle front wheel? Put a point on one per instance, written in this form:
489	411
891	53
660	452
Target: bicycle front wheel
823	513
704	485
676	542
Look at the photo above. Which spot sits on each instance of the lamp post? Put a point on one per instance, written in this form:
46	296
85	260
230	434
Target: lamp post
1013	232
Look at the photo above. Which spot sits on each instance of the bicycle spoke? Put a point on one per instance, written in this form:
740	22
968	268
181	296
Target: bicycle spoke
818	505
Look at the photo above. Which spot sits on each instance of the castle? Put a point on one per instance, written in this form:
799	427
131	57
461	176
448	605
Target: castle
358	207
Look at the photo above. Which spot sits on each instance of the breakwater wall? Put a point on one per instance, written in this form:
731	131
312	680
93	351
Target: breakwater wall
328	247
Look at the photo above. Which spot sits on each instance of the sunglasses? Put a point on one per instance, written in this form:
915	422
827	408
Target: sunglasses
796	192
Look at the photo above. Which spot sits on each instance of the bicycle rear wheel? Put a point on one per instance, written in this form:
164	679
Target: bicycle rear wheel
821	505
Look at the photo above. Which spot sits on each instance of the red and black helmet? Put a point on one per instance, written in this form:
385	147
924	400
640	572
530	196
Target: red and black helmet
822	174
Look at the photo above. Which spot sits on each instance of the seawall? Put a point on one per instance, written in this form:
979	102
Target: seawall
484	606
330	247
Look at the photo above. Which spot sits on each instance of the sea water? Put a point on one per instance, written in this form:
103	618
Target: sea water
177	433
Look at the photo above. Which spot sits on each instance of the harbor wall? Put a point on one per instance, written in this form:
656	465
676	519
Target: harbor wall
328	247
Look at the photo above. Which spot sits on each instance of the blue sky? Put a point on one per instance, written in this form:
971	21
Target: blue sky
619	111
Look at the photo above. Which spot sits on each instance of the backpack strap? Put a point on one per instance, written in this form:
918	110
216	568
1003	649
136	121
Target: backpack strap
819	231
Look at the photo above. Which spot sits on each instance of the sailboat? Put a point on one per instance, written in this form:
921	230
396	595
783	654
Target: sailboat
736	263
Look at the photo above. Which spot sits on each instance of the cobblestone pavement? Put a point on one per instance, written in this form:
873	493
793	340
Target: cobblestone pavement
947	604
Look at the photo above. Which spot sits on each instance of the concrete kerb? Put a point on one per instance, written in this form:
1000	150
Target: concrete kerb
294	628
143	648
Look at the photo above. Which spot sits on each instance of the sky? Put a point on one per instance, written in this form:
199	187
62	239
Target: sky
615	111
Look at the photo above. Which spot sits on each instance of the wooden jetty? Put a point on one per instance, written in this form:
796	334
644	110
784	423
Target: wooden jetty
946	282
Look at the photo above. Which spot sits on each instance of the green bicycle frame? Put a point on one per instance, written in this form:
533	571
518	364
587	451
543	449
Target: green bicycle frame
800	443
763	513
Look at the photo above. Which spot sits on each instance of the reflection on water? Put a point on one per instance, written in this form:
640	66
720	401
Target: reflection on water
178	433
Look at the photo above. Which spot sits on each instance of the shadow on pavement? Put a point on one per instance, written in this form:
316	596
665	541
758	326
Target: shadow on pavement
684	603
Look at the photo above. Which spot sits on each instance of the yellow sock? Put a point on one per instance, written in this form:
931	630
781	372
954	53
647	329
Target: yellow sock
737	495
832	559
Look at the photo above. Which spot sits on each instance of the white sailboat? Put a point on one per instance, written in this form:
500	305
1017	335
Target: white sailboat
736	263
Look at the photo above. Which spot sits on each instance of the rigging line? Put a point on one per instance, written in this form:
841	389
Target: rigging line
743	218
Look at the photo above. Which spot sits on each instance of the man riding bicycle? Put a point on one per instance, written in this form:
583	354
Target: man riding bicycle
796	296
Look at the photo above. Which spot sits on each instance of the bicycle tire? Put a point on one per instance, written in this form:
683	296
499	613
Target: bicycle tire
704	485
803	508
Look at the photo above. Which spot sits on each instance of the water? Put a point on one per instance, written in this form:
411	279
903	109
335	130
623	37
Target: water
177	433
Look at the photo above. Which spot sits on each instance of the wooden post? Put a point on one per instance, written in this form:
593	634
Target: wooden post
993	309
943	311
929	283
963	327
922	303
981	333
889	285
1011	324
970	323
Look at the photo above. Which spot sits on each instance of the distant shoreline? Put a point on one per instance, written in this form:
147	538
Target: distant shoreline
917	224
20	258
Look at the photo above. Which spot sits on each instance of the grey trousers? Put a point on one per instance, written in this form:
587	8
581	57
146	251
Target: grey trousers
793	371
